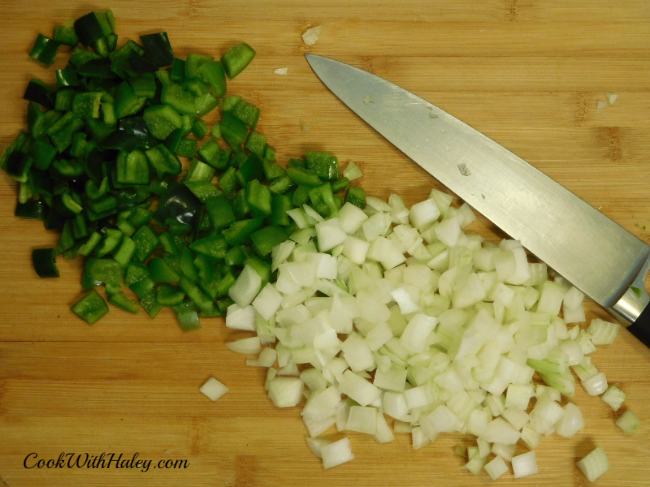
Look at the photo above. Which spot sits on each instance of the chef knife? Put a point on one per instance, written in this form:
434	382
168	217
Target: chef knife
587	248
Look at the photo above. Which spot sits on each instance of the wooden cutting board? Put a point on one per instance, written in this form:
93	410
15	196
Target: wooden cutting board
526	73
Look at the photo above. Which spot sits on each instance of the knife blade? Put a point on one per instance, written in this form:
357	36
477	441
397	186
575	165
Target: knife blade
591	251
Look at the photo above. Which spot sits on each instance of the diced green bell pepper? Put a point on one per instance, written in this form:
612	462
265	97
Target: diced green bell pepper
91	307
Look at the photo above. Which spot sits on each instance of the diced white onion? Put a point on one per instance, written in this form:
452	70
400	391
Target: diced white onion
213	389
571	423
595	385
267	302
336	453
352	172
316	445
246	287
595	464
311	35
603	332
496	468
362	419
425	323
614	397
629	422
286	392
424	213
238	318
281	71
524	465
245	345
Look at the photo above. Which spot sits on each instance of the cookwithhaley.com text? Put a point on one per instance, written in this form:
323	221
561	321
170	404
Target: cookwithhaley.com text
103	460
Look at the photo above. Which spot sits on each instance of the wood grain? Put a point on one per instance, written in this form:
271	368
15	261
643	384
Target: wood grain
528	73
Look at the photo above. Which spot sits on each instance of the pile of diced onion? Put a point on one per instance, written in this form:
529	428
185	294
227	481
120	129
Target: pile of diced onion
397	312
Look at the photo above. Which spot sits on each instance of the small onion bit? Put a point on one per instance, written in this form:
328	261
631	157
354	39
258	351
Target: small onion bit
311	35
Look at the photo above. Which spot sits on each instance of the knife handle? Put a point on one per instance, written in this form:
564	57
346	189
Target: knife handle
634	307
641	327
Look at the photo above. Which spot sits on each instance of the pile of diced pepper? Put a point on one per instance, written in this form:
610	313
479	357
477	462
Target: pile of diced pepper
100	164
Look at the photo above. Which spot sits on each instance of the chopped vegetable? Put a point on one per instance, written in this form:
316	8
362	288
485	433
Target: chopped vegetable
628	422
311	35
524	465
213	389
595	464
614	397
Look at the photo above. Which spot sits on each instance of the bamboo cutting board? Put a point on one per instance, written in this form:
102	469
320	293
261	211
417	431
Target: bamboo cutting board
526	73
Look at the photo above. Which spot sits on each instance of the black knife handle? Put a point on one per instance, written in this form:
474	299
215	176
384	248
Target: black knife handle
641	327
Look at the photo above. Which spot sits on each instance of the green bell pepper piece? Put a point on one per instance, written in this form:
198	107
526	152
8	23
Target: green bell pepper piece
158	49
44	50
188	318
132	168
169	295
247	113
107	271
150	304
212	246
258	198
122	301
256	143
280	204
212	72
236	58
357	196
239	231
146	242
268	237
91	307
44	262
220	212
162	120
160	271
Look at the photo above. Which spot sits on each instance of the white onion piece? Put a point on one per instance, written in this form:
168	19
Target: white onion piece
498	431
267	302
238	318
595	385
424	213
316	445
629	422
352	172
245	345
595	464
286	392
311	35
504	451
246	287
603	332
330	234
383	434
524	465
336	453
571	423
213	389
362	419
281	71
614	397
496	468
